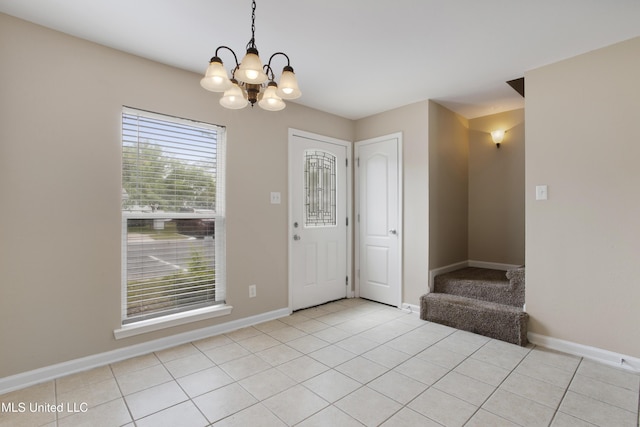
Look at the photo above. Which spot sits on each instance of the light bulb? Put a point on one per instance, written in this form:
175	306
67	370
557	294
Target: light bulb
251	74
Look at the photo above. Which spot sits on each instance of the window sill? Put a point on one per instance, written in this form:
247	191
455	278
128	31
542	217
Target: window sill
171	320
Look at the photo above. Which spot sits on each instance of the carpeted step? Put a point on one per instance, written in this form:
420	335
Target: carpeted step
483	284
499	321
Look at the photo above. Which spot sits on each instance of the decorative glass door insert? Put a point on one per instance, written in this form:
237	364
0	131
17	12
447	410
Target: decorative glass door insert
319	189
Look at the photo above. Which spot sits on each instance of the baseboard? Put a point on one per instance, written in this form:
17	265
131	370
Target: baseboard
411	309
47	373
491	265
593	353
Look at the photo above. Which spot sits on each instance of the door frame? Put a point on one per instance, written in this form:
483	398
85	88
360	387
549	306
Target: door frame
349	174
400	228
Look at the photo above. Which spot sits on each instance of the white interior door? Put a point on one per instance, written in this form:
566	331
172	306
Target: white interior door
378	206
318	190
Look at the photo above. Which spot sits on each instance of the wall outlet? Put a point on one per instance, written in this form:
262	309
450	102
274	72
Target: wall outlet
276	198
252	291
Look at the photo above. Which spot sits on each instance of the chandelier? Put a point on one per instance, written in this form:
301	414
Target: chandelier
251	81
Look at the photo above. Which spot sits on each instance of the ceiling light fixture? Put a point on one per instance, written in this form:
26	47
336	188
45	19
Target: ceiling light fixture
248	82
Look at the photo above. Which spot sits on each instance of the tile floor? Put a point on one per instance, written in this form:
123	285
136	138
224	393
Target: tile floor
347	363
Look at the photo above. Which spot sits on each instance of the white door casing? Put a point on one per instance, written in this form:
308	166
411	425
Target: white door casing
319	207
379	219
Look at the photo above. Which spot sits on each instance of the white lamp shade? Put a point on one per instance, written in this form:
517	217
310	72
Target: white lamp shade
270	100
497	136
288	86
215	78
234	98
250	70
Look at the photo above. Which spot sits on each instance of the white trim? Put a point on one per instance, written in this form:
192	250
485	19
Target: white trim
169	215
491	265
350	279
411	309
47	373
349	149
400	225
131	111
171	320
593	353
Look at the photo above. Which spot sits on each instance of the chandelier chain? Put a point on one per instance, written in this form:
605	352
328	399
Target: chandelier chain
252	42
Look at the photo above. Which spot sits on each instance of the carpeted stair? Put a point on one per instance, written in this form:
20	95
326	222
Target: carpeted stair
484	301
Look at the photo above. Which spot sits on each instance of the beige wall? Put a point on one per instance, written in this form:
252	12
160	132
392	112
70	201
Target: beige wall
60	105
583	243
411	120
496	189
448	186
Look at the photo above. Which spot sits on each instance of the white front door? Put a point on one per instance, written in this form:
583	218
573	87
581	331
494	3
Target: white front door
378	208
318	190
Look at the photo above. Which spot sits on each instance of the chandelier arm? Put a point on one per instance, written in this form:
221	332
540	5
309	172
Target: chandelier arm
230	50
269	72
279	53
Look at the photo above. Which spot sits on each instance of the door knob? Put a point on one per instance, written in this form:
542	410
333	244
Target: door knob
296	237
393	231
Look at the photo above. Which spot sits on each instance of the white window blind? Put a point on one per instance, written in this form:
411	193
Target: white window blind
173	215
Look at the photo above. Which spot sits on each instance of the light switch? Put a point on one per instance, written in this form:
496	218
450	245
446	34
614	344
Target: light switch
541	192
275	198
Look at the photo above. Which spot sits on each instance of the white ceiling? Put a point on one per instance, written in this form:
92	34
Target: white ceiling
355	58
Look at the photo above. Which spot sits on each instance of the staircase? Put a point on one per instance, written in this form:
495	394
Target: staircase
479	300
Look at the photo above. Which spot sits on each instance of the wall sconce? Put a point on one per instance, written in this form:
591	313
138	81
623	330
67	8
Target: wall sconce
497	136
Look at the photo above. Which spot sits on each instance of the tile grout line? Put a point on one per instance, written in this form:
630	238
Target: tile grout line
126	404
238	381
362	385
496	388
479	407
406	405
55	397
566	390
576	374
329	368
189	398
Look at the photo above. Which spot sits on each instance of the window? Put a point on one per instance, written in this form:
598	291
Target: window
173	223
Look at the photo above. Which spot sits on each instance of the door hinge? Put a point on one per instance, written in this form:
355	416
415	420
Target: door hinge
346	281
346	162
358	159
347	221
